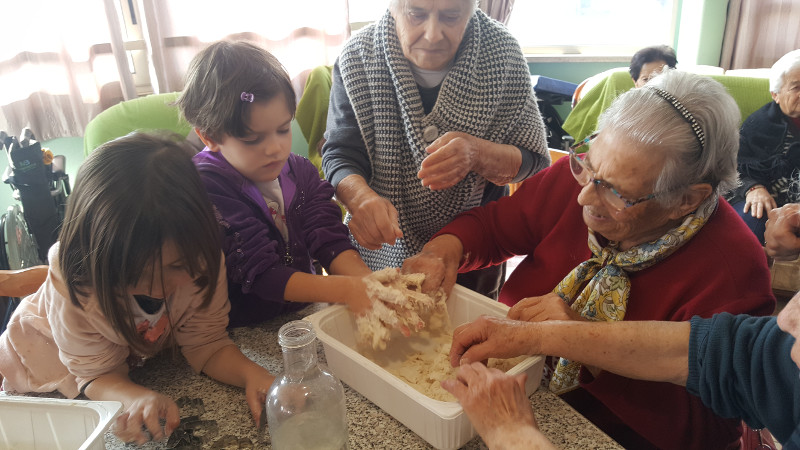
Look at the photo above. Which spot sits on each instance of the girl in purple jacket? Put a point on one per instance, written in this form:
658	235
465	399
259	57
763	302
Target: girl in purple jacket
277	215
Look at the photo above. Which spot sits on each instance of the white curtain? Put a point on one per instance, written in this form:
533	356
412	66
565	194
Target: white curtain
62	62
57	68
759	32
302	34
499	10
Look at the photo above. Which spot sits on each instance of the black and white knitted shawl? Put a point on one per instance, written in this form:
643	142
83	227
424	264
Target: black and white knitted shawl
487	93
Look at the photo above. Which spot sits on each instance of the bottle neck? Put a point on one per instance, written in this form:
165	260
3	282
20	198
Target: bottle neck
299	345
299	360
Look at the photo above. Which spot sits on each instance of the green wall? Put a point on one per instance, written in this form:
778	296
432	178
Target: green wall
699	31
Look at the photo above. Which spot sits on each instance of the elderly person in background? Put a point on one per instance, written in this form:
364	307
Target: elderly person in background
769	149
662	245
600	90
649	62
431	114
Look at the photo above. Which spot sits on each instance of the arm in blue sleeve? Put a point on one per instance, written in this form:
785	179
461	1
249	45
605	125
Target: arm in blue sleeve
740	366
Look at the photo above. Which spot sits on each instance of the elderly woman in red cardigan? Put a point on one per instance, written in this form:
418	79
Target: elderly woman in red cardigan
662	245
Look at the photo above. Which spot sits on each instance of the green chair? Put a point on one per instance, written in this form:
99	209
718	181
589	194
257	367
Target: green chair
153	112
582	120
312	112
750	93
150	113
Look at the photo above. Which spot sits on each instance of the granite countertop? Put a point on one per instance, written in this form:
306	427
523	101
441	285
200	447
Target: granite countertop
368	425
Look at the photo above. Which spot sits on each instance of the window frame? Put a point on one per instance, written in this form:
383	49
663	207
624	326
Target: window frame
596	53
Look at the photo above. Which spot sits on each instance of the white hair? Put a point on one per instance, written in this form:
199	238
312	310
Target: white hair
786	64
394	5
653	124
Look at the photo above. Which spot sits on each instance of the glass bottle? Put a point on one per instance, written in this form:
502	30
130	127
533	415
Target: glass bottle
305	404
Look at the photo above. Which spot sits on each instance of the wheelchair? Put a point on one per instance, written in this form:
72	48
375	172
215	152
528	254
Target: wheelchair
549	93
40	186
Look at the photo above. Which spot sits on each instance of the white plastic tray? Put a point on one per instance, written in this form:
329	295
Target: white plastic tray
32	423
442	424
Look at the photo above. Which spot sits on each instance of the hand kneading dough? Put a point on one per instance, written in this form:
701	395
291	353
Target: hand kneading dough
397	303
425	371
422	360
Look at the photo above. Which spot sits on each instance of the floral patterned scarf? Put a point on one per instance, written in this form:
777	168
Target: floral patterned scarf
605	297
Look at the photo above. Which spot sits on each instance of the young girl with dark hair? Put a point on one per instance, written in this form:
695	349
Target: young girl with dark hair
276	213
137	269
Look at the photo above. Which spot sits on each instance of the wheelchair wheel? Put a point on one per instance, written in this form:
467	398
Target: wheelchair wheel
17	251
18	243
3	252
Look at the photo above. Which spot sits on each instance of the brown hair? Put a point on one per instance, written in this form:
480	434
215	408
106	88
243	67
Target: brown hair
212	97
132	195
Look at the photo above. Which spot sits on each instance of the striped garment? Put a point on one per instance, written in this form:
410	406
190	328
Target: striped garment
487	93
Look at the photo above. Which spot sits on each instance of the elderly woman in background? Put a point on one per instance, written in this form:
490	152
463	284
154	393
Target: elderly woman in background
431	114
600	90
649	62
769	149
662	245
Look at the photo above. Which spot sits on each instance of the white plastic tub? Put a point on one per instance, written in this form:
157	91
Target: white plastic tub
31	423
444	425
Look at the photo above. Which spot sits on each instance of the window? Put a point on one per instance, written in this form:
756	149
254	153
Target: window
592	27
133	41
364	12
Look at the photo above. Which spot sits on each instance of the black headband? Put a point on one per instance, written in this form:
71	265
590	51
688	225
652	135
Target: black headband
687	116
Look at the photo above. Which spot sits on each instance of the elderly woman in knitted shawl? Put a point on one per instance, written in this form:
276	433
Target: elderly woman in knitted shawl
632	229
431	114
769	149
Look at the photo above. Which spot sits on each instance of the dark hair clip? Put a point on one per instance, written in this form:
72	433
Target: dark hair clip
247	97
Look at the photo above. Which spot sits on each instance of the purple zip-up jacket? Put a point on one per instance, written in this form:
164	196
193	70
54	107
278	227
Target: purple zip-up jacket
258	261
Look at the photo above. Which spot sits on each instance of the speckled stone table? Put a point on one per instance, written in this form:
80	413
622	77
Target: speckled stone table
368	425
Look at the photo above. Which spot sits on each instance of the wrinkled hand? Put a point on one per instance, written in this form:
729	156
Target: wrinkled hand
146	411
436	273
439	272
495	403
374	221
450	158
490	337
783	232
538	309
256	388
758	201
439	260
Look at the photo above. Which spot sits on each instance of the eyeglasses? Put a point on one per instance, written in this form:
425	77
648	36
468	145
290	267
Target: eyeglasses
584	175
